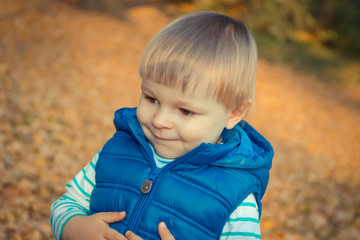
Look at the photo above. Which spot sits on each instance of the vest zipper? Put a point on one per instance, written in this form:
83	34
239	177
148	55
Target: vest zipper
151	182
146	193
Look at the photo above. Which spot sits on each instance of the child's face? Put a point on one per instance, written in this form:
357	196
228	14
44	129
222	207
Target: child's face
176	122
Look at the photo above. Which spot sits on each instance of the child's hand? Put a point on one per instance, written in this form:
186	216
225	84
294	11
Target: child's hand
93	227
163	231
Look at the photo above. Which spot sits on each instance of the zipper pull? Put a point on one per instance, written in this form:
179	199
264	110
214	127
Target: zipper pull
146	187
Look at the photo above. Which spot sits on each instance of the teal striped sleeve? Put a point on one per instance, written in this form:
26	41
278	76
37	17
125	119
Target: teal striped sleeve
244	222
76	199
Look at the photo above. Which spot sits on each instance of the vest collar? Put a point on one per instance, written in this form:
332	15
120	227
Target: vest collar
242	146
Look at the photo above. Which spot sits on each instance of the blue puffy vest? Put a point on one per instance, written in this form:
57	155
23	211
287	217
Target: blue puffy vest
194	195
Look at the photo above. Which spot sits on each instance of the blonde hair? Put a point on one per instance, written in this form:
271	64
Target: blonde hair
204	46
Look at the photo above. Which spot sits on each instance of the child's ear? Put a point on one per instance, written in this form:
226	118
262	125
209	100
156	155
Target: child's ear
237	115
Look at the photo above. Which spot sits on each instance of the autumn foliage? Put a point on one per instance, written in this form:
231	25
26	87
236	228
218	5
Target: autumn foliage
64	70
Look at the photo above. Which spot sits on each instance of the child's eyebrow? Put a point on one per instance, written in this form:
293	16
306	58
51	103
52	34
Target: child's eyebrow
147	90
190	105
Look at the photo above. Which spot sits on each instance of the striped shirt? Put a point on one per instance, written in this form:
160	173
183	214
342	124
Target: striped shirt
242	224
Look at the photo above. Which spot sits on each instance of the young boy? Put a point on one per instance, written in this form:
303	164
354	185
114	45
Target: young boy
184	156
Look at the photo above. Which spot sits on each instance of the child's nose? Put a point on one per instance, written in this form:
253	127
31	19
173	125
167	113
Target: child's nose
162	119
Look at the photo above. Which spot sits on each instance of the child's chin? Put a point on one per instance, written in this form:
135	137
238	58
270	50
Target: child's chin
167	154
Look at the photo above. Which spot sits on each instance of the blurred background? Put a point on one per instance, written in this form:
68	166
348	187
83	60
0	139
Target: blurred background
67	65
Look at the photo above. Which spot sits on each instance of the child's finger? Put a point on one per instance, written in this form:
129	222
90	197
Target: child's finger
132	236
112	234
164	232
111	217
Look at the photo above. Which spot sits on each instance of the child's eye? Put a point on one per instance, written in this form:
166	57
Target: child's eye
151	99
185	112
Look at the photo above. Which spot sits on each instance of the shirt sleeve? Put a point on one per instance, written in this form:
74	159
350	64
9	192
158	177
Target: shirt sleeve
76	199
243	222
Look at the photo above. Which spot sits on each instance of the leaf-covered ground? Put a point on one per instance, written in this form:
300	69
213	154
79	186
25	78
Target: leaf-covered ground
64	71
